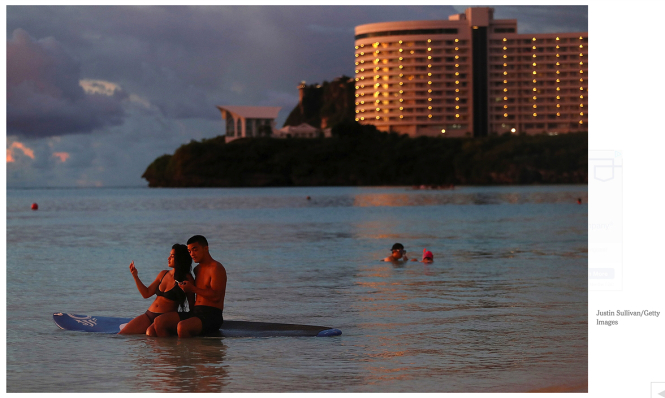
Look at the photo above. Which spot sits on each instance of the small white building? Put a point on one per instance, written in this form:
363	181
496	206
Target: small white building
249	121
303	130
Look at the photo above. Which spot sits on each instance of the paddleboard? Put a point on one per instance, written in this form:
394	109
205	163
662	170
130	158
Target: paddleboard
112	325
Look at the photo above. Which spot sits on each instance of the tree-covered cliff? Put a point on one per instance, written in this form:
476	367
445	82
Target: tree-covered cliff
361	155
325	105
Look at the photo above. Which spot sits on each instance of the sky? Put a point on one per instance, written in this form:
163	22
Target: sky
95	94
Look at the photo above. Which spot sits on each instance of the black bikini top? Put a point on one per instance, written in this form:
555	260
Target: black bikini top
175	294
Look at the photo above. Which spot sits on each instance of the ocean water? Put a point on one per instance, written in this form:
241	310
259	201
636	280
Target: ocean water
502	309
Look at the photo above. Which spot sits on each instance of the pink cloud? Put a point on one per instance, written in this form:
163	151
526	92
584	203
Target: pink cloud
11	151
63	156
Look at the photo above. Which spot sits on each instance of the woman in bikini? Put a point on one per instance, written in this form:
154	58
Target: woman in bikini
169	295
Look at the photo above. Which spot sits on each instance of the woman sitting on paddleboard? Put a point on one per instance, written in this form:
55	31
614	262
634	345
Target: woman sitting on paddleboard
169	295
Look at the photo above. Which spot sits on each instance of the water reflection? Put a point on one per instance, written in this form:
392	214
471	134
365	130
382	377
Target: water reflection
177	365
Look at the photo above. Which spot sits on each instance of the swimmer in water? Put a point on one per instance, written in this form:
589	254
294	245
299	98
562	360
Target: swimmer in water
398	254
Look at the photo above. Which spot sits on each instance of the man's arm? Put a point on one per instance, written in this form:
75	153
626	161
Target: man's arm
217	286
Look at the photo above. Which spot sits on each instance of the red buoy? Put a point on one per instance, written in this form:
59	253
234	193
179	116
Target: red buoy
34	206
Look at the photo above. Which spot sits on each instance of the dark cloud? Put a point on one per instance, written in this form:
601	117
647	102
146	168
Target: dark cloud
44	97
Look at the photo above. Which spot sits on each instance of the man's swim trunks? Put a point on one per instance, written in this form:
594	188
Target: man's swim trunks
211	317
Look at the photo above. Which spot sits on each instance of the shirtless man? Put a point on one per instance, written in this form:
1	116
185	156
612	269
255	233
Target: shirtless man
209	287
398	254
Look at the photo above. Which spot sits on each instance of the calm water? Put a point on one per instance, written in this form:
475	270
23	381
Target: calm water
502	308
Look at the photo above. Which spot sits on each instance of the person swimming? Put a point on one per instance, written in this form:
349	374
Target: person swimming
398	254
428	257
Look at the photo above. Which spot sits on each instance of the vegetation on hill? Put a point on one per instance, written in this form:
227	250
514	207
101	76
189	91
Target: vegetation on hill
360	155
326	104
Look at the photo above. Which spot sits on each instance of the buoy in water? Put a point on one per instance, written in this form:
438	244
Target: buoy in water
34	206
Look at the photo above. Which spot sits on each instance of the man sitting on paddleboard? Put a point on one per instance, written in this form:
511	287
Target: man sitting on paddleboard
398	254
210	288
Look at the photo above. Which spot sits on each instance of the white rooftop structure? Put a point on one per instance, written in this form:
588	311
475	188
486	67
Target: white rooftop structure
248	121
303	130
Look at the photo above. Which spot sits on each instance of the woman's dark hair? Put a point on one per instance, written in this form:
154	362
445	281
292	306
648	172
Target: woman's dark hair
181	268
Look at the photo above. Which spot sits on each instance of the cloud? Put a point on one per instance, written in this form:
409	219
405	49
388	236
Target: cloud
11	151
44	94
63	156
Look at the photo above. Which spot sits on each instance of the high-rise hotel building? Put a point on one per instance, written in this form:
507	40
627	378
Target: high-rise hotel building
472	75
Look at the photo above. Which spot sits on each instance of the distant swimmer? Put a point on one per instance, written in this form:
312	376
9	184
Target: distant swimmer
169	295
398	254
428	257
579	201
210	288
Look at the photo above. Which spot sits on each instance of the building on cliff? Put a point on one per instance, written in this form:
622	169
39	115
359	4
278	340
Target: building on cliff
471	75
248	121
302	130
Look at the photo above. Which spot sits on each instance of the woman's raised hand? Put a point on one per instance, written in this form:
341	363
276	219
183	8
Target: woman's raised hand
133	269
